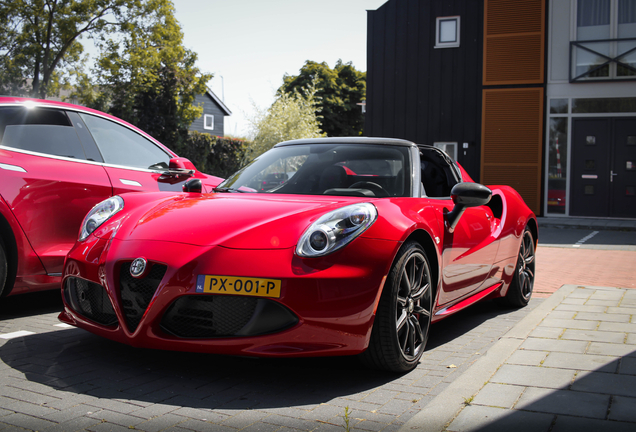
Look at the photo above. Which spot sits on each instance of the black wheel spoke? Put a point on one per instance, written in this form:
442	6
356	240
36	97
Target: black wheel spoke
405	338
417	281
401	320
420	310
412	271
418	329
411	331
522	278
406	283
420	293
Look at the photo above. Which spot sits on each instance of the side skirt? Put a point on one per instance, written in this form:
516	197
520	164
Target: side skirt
442	313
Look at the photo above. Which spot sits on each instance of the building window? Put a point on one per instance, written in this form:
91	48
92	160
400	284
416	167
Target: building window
557	165
447	32
605	45
208	121
450	148
603	105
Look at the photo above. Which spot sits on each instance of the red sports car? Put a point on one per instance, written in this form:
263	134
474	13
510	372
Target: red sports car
56	162
357	248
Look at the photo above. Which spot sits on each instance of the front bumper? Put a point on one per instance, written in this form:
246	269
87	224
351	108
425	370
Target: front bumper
326	306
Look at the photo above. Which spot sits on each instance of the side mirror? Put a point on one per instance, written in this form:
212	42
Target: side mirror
465	195
180	163
193	185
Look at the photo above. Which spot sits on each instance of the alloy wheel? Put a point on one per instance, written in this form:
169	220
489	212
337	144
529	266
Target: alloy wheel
413	311
525	265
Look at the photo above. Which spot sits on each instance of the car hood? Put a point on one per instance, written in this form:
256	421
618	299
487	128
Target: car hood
237	221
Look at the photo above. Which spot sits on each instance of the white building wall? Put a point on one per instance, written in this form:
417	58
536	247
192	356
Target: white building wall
562	30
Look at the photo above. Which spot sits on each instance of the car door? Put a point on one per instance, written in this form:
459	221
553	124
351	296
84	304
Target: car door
468	253
470	250
133	162
48	179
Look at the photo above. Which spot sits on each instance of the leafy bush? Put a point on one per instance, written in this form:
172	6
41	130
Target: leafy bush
219	156
226	156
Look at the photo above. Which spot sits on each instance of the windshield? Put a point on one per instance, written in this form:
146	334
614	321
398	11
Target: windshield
326	169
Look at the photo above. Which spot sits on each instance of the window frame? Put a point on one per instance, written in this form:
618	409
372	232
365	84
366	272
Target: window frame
442	146
205	123
612	42
438	42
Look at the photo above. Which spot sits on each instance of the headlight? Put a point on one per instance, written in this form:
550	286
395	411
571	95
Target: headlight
100	214
336	229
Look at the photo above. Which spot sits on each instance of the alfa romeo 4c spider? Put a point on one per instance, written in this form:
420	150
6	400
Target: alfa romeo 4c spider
318	247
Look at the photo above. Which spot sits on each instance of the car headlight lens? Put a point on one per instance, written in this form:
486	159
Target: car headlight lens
100	214
336	229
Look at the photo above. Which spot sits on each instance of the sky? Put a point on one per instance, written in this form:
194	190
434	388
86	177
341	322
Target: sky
249	45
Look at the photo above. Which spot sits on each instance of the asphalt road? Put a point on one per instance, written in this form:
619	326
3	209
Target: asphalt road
588	239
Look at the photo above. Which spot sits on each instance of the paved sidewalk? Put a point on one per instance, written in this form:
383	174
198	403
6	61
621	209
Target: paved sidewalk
568	365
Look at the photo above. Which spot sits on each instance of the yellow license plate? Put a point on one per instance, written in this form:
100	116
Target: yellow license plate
249	286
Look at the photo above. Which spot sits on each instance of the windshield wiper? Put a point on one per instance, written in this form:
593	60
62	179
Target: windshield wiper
227	189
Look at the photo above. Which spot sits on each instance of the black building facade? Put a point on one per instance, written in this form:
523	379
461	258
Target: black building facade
466	76
421	92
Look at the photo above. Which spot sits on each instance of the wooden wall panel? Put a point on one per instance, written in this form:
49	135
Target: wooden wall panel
514	59
522	178
514	34
512	131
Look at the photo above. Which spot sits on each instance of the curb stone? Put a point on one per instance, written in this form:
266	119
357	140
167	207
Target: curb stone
439	413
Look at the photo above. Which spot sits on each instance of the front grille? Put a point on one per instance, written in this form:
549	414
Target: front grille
89	300
210	316
136	293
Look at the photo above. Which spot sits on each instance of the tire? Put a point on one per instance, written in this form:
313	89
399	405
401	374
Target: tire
520	289
4	268
403	317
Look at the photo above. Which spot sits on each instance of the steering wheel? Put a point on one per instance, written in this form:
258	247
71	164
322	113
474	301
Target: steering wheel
373	187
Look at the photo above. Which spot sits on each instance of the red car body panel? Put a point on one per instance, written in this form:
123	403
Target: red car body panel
46	198
37	196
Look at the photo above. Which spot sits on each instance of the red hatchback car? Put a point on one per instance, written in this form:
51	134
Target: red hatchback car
56	162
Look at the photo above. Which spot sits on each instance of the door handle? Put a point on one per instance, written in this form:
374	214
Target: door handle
612	174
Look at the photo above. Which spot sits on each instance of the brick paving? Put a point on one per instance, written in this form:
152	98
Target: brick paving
557	266
64	379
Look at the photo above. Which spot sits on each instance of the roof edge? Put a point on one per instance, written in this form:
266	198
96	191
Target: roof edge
216	99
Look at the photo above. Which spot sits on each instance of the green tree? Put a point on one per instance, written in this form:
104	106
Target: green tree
338	91
291	116
40	39
148	78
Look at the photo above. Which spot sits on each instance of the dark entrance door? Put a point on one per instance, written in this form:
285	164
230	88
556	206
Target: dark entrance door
624	169
589	190
603	167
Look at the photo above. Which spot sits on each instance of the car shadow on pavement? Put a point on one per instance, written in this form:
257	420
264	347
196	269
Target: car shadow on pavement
73	360
460	323
31	304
